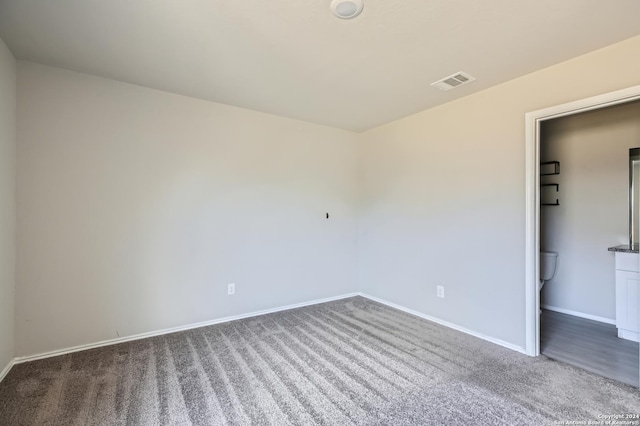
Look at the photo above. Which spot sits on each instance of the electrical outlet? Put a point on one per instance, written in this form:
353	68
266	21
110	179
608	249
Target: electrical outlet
231	288
440	291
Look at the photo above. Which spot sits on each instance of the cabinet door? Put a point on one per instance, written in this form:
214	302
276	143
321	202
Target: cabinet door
627	286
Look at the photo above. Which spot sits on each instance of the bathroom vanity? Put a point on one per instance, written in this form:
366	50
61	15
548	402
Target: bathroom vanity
628	261
627	291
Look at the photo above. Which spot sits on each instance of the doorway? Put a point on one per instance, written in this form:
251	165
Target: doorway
533	121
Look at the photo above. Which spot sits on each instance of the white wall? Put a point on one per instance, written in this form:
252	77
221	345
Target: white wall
593	150
137	207
443	195
7	201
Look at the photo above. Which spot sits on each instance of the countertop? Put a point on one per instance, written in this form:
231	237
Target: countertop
626	248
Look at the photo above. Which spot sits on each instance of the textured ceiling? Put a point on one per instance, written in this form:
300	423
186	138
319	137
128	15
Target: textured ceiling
294	58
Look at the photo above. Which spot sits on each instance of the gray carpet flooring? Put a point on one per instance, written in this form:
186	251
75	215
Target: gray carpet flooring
346	362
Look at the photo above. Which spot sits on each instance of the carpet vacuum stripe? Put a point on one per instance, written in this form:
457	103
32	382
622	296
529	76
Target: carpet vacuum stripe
347	362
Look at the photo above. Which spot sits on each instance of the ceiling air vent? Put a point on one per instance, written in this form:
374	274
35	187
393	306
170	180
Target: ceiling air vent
454	80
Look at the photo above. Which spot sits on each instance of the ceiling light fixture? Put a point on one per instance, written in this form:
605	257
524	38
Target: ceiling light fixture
346	9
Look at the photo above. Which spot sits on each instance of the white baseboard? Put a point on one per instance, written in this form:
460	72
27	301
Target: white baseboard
6	370
20	360
629	335
23	359
579	314
447	324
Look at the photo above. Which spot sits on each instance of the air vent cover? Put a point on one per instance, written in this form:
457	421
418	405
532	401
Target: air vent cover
454	80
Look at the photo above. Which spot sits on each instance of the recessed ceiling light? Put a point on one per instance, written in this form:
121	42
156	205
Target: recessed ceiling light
346	9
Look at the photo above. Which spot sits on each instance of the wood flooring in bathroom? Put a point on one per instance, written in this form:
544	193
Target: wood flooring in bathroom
591	345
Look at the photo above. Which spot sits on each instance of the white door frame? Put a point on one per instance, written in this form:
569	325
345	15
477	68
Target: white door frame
532	195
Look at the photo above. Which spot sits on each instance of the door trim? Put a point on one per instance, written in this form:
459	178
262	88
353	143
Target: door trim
532	197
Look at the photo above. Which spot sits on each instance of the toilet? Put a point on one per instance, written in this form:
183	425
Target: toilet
548	260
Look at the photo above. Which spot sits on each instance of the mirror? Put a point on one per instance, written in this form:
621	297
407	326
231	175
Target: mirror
634	196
